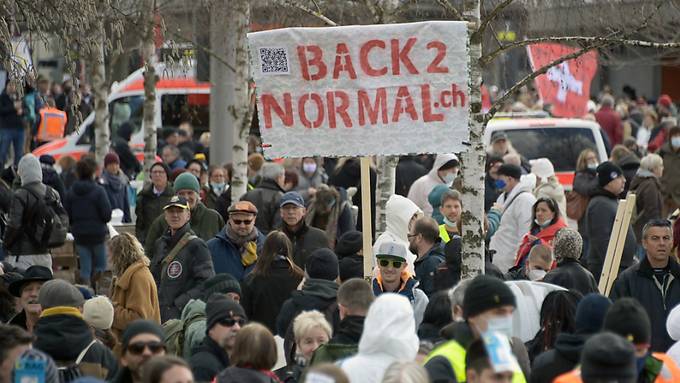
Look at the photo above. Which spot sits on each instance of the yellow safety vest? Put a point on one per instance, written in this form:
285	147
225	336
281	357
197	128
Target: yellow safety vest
443	233
455	354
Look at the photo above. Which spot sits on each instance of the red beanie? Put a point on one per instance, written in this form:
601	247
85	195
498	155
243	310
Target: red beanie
111	158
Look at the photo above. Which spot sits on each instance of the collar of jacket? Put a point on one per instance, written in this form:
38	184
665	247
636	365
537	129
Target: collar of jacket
605	193
566	261
124	281
268	183
458	331
61	310
645	268
408	284
298	233
436	249
172	239
216	350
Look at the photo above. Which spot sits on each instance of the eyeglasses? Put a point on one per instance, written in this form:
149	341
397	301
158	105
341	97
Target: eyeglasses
138	347
229	322
241	221
387	262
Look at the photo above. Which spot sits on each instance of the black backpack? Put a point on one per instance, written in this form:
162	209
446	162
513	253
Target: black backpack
71	371
47	219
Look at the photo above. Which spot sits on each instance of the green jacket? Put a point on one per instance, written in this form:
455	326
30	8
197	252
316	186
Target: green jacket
204	222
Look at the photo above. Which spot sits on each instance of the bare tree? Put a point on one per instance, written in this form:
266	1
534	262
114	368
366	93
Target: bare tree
150	78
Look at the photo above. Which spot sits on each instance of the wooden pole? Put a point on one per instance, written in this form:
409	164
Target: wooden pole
621	242
366	216
609	256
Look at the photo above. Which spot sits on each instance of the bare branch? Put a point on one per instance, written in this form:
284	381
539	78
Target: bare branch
491	16
318	15
450	9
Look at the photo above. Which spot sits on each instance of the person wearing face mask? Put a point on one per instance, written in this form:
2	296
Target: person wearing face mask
451	207
488	305
670	180
546	221
585	185
218	192
311	175
538	263
444	171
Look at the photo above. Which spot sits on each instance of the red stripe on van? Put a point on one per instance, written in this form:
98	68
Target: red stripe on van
565	178
189	83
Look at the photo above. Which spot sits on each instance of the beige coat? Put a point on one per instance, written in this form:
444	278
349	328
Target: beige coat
134	297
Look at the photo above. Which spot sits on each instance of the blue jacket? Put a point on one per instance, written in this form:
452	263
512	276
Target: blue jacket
88	211
226	256
116	187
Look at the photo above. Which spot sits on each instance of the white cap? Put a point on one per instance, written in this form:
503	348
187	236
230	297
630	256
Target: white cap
542	168
98	312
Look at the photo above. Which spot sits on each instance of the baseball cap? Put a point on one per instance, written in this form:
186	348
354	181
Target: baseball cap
391	249
292	198
177	201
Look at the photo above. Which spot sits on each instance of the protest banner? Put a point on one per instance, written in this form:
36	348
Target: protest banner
565	86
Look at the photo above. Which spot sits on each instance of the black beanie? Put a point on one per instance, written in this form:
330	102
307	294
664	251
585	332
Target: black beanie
486	293
349	244
510	170
608	357
629	319
221	284
608	172
141	326
590	313
218	308
322	264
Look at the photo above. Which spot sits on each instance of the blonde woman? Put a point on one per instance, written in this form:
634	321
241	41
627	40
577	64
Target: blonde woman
134	294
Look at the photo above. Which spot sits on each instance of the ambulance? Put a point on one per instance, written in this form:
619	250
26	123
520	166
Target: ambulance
179	97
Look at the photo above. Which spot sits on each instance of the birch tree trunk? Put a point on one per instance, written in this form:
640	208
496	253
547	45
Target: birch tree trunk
101	93
238	109
473	159
148	123
221	33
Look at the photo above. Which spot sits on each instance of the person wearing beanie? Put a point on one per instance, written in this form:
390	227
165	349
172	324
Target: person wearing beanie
654	281
606	357
590	314
50	177
600	216
222	284
629	319
205	223
569	273
116	184
235	248
141	341
267	197
63	334
350	255
488	305
151	199
517	201
224	319
181	261
393	276
98	312
23	250
305	238
89	210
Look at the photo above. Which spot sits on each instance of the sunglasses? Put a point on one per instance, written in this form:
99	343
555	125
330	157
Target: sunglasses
241	221
138	348
229	322
387	262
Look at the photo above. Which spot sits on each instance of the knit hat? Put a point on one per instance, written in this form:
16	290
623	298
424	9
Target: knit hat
98	312
111	158
51	370
29	169
486	293
220	308
629	319
141	326
435	196
220	284
162	166
322	264
608	357
608	172
186	181
59	292
542	168
47	159
590	313
568	243
510	170
673	323
349	243
665	100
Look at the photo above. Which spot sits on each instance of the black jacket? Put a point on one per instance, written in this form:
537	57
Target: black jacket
570	274
426	267
349	175
639	282
266	197
305	240
429	332
351	266
240	375
149	206
600	216
349	330
208	360
88	211
180	280
53	180
630	165
262	297
16	236
116	187
585	184
408	171
8	114
561	359
316	294
491	192
128	162
65	336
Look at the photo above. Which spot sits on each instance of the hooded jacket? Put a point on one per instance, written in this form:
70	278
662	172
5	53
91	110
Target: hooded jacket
423	185
389	336
53	180
671	172
561	359
399	211
88	211
148	207
208	360
116	187
515	223
226	255
553	189
649	201
316	294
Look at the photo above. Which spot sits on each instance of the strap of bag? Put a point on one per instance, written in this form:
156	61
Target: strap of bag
178	247
85	350
506	207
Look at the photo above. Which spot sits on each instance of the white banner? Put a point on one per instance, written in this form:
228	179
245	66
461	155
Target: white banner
362	90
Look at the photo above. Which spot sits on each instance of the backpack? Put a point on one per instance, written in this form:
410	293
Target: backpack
71	372
175	330
48	219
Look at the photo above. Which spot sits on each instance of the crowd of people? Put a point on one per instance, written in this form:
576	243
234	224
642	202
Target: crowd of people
271	288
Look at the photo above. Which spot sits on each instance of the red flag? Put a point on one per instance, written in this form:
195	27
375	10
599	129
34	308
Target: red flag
566	86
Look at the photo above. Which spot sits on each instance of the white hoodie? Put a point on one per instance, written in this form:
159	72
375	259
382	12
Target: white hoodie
423	186
389	336
399	211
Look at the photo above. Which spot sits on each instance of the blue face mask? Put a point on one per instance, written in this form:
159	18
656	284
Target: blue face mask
218	188
500	184
449	223
501	324
449	178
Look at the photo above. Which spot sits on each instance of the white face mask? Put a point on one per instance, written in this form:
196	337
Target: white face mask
502	325
536	275
675	141
542	224
309	167
218	188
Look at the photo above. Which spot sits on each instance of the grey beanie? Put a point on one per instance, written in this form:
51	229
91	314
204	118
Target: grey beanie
567	244
29	169
59	292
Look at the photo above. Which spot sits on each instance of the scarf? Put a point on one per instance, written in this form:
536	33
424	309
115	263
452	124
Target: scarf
247	245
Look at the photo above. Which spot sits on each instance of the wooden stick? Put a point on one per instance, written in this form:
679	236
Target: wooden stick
366	216
611	248
621	242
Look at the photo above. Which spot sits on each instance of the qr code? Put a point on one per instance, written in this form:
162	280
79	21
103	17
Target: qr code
274	61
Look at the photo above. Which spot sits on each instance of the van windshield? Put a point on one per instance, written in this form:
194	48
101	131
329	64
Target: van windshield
126	109
560	145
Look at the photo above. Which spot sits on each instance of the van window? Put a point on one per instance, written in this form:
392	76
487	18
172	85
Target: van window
560	145
177	108
126	109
